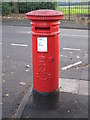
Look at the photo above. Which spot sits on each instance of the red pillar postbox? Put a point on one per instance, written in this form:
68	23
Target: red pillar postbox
45	49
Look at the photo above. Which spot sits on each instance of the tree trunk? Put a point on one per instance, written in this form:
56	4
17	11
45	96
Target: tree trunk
15	5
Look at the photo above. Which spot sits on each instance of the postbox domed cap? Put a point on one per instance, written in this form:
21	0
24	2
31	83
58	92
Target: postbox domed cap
45	15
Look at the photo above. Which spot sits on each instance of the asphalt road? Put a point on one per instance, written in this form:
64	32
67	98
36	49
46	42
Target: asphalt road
16	54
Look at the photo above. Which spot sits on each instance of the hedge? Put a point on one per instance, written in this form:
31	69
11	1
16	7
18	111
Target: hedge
7	8
24	7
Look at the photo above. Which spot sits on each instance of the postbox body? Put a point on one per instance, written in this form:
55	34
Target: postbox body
45	50
45	44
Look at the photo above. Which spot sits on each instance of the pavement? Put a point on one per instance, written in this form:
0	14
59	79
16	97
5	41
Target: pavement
73	102
17	78
68	108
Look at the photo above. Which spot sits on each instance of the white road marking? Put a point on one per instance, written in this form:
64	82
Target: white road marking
74	35
0	43
71	49
69	66
81	30
16	26
21	45
25	32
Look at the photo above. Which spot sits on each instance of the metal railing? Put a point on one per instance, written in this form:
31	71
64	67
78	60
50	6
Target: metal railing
74	8
71	8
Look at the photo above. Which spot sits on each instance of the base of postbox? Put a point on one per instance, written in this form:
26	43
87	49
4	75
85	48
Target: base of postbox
46	100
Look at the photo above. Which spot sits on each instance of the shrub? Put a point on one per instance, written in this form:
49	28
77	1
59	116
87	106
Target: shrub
43	5
24	7
6	8
28	6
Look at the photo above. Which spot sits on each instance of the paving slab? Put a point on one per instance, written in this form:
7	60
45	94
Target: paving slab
69	86
71	106
74	86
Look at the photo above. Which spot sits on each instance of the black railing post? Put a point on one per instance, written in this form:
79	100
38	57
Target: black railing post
31	6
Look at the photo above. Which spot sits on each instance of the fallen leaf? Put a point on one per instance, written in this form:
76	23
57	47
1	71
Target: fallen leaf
22	83
24	91
61	89
27	66
4	81
68	111
30	84
27	70
7	95
78	57
86	55
70	58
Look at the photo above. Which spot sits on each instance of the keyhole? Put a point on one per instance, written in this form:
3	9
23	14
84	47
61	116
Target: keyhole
52	60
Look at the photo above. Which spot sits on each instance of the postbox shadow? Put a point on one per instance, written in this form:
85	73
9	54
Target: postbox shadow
45	102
